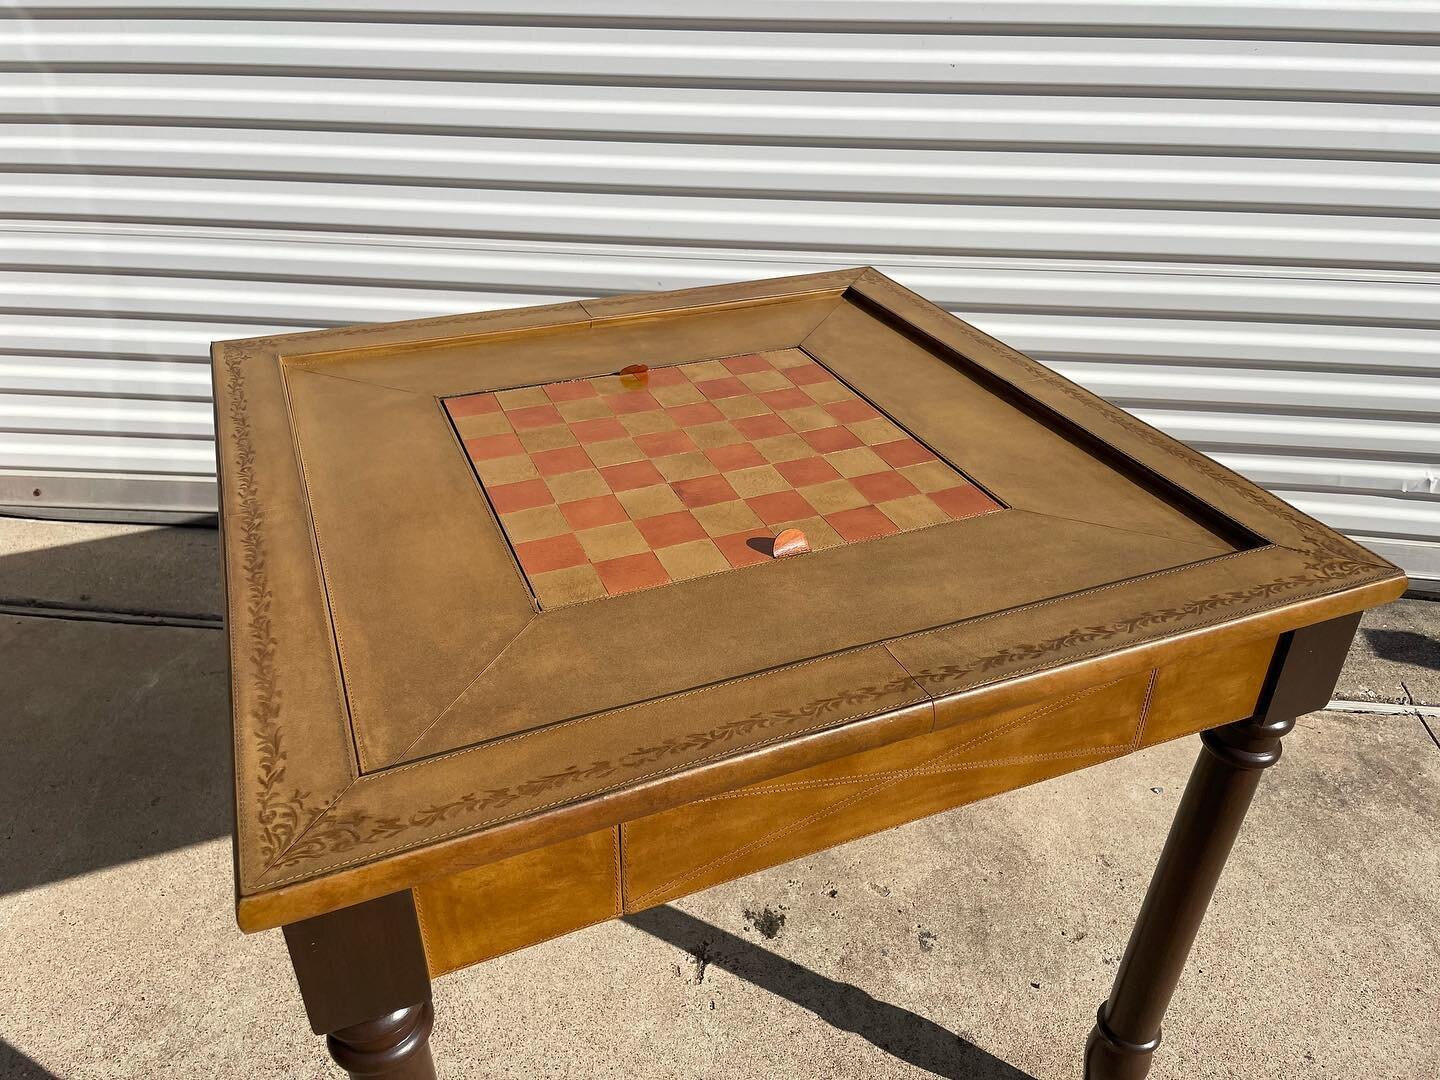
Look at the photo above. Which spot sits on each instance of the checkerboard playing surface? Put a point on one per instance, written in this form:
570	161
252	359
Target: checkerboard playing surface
630	481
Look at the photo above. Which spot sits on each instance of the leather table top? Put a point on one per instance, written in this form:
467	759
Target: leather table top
495	580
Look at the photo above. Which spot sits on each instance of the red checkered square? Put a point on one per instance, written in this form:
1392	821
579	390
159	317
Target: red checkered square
667	530
746	365
632	402
631	475
830	439
665	443
903	452
474	405
735	457
593	512
570	391
488	447
781	506
805	471
537	416
600	430
625	482
564	460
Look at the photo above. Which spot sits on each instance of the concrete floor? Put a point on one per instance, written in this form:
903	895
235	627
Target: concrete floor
975	944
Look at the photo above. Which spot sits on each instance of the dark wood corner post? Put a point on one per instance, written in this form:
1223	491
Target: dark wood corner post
366	987
1302	677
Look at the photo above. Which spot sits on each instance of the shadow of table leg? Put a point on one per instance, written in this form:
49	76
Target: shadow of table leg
16	1066
897	1031
116	745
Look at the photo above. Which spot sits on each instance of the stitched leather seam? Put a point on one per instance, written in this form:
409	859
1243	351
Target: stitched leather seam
238	399
1199	624
339	661
1036	605
478	676
1132	532
896	707
662	700
1072	658
302	833
618	869
424	928
315	369
914	681
1145	708
524	582
1037	714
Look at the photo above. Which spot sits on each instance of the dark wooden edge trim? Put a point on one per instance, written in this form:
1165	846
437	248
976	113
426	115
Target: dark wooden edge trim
1306	668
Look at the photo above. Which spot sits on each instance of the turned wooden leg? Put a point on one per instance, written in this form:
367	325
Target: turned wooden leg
394	1046
1301	679
366	987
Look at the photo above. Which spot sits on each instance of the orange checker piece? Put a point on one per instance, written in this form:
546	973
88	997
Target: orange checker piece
789	542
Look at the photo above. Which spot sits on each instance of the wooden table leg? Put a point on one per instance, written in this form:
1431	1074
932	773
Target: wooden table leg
1302	677
366	987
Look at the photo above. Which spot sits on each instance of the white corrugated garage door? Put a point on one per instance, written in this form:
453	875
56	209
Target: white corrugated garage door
1220	215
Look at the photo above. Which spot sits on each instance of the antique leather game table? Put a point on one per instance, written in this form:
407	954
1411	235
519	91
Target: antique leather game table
514	652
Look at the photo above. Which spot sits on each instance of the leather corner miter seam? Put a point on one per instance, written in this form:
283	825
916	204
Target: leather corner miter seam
1145	709
326	587
676	696
617	867
1201	624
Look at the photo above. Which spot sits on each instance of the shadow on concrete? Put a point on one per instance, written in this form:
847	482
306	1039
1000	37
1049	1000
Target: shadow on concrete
900	1033
1404	647
114	737
158	574
16	1066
